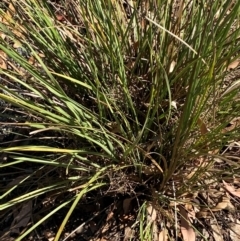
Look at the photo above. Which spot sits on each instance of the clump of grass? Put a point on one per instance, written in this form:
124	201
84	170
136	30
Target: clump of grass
113	89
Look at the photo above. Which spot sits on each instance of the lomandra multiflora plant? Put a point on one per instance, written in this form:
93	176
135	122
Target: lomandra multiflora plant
116	98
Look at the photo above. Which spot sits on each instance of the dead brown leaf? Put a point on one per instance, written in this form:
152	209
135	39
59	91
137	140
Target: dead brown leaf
203	214
216	232
234	231
15	181
3	60
190	211
155	231
220	206
22	218
234	123
128	233
231	189
202	126
152	213
224	204
233	64
163	235
185	226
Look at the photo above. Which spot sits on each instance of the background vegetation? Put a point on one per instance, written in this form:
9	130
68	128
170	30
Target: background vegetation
117	101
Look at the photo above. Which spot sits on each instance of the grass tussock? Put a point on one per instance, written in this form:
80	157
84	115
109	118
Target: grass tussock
117	99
